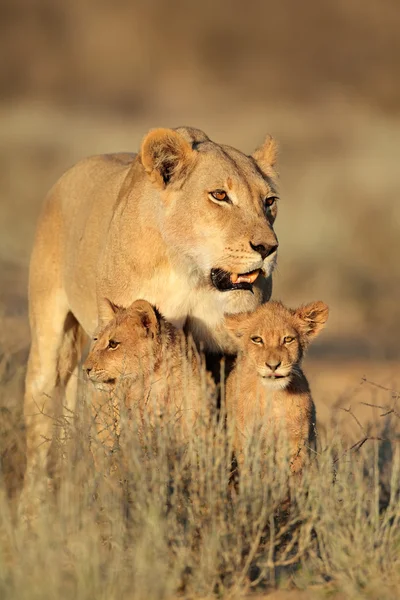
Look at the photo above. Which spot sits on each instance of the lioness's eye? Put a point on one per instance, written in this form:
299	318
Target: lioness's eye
220	195
288	339
95	339
112	344
268	202
256	339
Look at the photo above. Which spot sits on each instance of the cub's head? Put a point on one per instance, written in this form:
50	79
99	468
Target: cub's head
128	345
273	338
217	208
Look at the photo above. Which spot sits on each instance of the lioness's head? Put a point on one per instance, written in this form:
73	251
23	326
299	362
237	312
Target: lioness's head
128	346
273	338
218	206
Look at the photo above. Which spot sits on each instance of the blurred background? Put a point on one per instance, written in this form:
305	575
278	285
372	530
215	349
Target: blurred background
81	77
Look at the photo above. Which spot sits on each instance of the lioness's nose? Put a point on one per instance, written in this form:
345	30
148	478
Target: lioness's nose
264	249
87	369
273	367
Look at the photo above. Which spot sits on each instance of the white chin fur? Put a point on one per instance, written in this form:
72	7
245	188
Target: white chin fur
272	383
269	264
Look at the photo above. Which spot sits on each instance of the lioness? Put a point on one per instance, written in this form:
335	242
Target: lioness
186	224
142	360
267	387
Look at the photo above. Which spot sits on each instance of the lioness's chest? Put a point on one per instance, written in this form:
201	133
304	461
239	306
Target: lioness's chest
178	296
182	300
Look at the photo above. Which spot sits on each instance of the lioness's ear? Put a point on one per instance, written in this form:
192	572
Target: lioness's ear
313	317
193	136
266	155
149	316
107	311
165	154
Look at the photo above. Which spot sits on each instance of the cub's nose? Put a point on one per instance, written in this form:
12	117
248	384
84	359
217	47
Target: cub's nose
87	369
273	366
264	249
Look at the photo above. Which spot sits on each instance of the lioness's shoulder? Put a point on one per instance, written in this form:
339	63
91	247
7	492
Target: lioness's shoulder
106	170
101	163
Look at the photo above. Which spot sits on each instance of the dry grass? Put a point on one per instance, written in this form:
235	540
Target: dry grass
164	518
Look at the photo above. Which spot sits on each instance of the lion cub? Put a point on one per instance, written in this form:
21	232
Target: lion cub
267	387
141	358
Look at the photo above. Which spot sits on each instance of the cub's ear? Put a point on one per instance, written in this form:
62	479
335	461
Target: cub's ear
149	316
236	325
266	156
312	317
107	311
165	155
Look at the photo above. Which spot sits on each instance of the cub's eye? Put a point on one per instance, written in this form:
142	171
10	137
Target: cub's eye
95	339
220	195
256	339
268	202
288	339
112	344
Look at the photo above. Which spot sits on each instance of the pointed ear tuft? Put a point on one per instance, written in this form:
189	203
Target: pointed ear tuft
107	311
313	317
266	156
165	155
149	316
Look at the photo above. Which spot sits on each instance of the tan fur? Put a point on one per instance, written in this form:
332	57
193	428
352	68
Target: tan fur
267	155
128	226
153	369
267	388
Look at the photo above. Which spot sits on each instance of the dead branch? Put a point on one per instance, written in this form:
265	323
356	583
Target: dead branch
389	410
396	394
348	410
356	447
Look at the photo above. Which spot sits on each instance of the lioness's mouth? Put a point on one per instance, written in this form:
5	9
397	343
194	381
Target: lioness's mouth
224	281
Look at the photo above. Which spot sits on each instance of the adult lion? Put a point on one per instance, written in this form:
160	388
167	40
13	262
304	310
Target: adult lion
186	224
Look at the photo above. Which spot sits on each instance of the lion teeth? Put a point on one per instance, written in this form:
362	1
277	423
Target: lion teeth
246	278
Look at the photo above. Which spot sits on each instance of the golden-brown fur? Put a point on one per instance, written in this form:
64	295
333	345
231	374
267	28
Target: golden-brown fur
267	388
128	226
140	359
